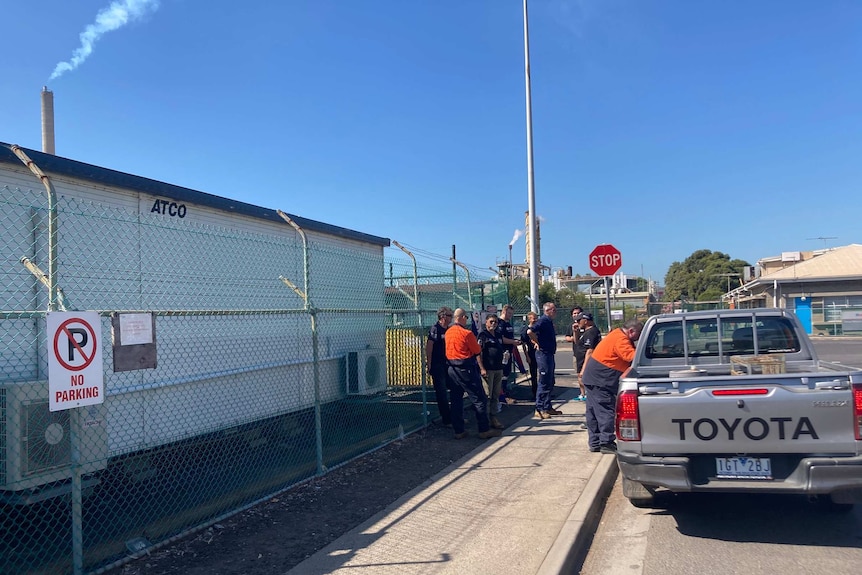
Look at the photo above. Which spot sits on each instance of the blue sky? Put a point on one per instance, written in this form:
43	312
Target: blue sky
659	126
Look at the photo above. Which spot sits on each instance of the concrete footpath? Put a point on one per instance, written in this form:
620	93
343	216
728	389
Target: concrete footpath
527	502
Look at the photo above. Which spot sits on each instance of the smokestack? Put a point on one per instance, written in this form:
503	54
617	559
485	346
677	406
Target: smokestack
529	239
47	120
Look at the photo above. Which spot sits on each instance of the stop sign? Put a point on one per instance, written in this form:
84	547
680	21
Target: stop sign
605	260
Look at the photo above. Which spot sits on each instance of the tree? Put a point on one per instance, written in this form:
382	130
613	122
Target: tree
519	289
547	292
703	276
566	298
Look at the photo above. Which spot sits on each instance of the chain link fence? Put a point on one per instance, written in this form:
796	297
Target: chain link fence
278	357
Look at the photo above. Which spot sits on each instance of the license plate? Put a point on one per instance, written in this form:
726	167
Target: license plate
743	467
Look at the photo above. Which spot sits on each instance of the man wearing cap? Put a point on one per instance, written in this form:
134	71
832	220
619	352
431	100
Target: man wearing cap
573	333
586	343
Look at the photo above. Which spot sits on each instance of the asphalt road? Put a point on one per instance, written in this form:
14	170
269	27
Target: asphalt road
844	351
724	534
720	534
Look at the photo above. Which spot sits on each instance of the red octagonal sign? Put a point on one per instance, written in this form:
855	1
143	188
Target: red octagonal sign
605	260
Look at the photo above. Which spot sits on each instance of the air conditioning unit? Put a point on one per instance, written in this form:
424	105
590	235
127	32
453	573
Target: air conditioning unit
35	448
365	372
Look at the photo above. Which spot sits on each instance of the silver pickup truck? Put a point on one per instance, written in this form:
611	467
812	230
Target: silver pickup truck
737	401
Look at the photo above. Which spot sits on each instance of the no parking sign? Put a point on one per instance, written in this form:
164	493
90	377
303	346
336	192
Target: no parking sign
75	377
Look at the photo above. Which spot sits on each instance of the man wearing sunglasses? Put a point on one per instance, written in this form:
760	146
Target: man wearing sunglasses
494	345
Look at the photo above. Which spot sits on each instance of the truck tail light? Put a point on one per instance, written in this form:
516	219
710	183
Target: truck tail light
747	391
628	419
857	410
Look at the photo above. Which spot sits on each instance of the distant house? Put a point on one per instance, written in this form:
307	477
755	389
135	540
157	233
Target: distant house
823	287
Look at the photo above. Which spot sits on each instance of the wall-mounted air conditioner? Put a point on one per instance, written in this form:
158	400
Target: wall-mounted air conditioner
365	372
34	443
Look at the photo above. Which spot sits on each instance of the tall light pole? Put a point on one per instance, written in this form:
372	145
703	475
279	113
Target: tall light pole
728	276
531	191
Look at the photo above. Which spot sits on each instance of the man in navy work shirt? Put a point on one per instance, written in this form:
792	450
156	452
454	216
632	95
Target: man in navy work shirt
544	338
436	366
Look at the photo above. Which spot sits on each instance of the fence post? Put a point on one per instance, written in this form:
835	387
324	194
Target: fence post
318	424
74	417
423	369
469	289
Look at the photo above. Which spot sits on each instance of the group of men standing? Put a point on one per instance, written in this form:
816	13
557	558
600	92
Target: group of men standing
460	362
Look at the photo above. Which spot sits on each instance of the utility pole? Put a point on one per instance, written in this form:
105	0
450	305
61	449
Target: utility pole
531	191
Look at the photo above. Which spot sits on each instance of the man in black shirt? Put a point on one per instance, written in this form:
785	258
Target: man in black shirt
530	353
584	346
491	365
436	365
504	325
573	333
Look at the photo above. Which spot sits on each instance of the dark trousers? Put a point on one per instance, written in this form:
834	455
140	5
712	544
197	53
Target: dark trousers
579	361
467	377
546	365
440	379
456	406
601	407
534	374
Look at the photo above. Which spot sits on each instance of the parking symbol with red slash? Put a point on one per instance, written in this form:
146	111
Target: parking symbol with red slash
75	370
80	348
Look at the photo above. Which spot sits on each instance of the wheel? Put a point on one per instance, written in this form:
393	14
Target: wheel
638	494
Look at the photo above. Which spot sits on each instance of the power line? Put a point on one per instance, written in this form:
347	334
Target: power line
444	259
823	239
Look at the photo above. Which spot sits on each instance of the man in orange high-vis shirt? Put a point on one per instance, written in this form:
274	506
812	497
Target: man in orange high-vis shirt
462	347
612	357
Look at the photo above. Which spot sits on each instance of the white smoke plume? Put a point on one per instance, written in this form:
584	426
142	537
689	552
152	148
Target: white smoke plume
115	16
518	234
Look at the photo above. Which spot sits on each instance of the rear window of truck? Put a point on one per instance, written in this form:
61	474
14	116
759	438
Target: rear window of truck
732	336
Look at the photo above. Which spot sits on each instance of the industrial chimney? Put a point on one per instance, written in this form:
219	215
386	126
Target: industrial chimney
529	240
47	120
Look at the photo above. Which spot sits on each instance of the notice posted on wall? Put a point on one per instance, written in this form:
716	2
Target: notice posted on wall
136	328
134	336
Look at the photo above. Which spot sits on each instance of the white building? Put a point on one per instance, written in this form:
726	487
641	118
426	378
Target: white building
823	287
233	342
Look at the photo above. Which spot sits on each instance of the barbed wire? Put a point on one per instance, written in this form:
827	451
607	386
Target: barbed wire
417	251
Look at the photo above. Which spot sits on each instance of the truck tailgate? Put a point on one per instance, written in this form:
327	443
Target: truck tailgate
761	419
